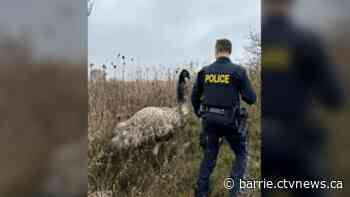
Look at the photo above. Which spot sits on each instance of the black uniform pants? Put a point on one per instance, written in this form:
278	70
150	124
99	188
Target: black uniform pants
210	137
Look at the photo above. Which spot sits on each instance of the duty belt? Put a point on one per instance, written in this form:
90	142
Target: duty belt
215	110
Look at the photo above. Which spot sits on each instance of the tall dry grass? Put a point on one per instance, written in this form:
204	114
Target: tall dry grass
138	172
172	172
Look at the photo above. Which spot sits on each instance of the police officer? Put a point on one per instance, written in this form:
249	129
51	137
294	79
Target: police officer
215	96
295	70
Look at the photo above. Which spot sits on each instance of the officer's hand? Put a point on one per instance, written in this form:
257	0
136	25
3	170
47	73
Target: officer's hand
202	139
221	140
198	114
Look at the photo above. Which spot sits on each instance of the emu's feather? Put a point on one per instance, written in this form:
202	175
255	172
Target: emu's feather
152	124
149	124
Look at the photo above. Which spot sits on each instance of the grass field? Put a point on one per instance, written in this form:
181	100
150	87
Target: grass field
174	170
138	172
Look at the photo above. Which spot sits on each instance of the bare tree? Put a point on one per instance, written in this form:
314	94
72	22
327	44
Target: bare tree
252	58
253	51
90	6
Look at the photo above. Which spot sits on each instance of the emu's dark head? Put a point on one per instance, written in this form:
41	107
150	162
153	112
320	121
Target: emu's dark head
184	75
181	85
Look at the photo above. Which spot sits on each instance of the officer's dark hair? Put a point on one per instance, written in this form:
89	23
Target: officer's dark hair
223	45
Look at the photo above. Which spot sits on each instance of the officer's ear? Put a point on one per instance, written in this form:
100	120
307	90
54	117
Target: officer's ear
216	55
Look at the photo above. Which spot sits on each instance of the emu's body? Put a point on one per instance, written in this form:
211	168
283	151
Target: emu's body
148	124
152	124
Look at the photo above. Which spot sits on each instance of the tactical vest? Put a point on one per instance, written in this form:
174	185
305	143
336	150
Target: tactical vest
283	64
220	86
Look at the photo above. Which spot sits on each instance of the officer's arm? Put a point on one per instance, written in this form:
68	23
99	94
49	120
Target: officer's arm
197	92
321	73
246	89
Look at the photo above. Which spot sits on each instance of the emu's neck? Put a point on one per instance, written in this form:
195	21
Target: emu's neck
181	92
183	108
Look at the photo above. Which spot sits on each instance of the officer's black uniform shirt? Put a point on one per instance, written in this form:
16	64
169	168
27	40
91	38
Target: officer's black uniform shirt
221	84
294	67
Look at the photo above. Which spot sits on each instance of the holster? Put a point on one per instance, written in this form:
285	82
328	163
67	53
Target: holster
241	117
219	116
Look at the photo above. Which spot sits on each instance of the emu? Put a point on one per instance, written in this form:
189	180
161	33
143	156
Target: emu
153	124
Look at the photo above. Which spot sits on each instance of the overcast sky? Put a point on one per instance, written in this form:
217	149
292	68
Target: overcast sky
168	31
56	29
157	31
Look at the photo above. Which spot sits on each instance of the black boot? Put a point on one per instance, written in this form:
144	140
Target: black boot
197	194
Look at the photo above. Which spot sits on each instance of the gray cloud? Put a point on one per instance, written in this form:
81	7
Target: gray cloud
168	32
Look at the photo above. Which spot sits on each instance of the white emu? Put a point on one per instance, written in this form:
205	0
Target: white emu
152	124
